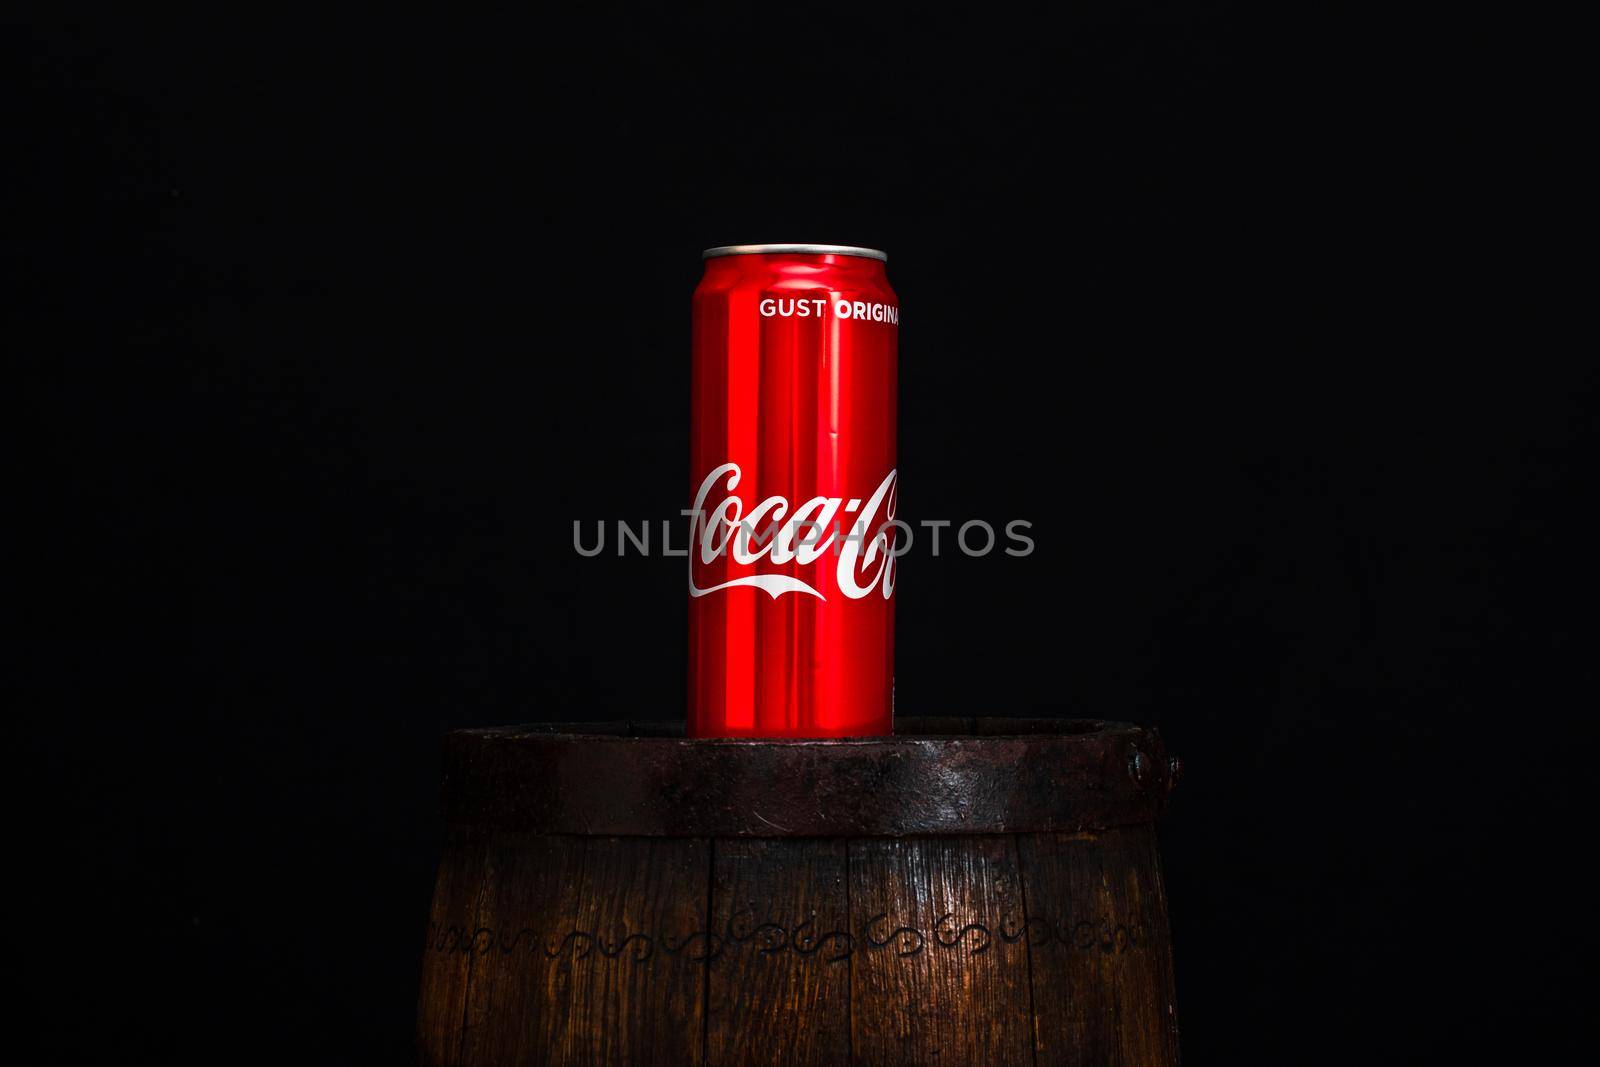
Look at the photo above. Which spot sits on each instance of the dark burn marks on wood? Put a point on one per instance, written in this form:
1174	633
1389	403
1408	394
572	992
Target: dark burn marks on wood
1107	1006
944	994
803	938
780	992
990	948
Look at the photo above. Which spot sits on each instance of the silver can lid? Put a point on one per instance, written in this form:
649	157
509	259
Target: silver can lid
804	250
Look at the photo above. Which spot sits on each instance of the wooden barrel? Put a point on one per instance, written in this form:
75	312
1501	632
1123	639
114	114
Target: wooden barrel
966	892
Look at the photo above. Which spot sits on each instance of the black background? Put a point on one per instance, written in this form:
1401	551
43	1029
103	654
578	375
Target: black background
342	322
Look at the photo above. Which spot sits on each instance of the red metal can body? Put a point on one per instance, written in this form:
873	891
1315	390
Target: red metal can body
792	489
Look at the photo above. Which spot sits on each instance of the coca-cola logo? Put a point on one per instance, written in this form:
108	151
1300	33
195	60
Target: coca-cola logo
771	534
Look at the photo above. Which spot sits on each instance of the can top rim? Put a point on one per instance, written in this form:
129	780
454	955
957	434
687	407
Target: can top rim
810	250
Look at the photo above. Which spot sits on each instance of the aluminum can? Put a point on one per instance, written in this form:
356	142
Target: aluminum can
792	488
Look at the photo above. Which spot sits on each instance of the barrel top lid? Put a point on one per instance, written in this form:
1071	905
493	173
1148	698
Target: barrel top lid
802	250
934	776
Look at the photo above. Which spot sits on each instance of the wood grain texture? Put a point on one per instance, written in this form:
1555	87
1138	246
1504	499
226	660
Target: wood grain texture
633	1001
519	1004
780	988
447	956
1102	964
934	982
792	947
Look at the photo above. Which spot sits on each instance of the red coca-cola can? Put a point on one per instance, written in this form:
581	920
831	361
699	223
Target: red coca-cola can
792	490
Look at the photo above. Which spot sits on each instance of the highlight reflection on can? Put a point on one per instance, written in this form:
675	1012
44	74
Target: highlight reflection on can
792	457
